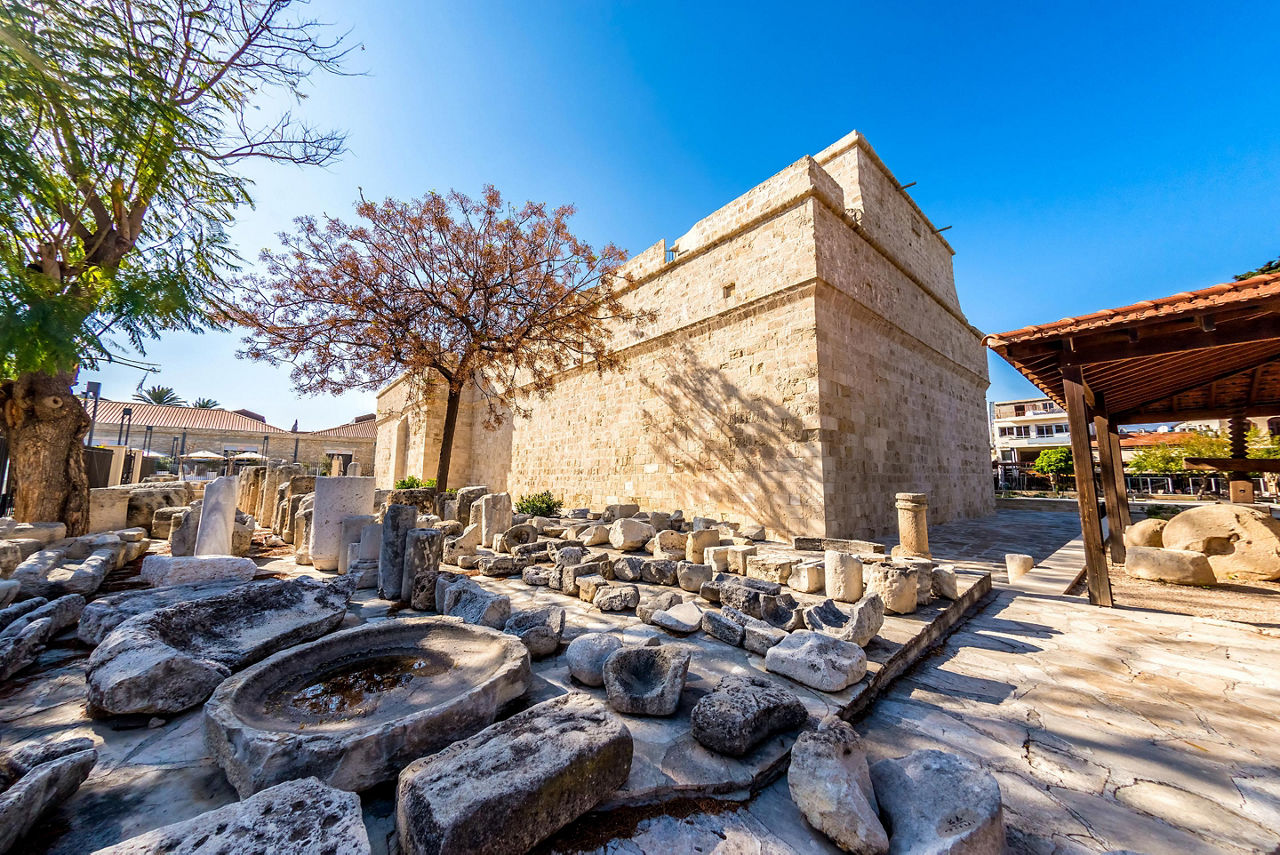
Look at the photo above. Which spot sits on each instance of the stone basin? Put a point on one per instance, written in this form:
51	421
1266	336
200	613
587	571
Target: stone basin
356	707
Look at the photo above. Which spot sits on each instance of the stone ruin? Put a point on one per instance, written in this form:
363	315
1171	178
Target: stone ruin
297	708
1205	545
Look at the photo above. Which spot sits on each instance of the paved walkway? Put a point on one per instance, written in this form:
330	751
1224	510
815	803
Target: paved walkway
1106	728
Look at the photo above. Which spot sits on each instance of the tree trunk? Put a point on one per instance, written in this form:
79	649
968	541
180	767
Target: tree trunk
446	439
46	425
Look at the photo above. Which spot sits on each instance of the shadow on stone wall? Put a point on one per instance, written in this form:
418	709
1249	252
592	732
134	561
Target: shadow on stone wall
739	448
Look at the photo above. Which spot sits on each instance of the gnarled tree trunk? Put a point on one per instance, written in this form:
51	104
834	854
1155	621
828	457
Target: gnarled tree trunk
451	406
46	425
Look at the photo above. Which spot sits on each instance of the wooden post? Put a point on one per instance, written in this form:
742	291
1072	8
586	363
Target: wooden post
1097	572
1117	461
1115	520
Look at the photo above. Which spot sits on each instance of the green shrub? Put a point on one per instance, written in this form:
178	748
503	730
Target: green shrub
413	482
540	505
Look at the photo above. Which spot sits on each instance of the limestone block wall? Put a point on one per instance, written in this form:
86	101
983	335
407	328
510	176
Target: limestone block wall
902	394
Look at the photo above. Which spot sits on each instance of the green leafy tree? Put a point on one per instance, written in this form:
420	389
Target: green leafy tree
204	404
1159	459
123	125
160	395
1272	266
1054	462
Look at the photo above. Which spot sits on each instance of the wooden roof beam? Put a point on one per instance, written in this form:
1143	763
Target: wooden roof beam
1260	329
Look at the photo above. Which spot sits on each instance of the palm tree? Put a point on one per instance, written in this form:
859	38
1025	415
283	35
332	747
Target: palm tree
204	403
160	395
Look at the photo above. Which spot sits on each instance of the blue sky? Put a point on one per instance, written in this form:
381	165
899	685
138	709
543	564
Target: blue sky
1086	155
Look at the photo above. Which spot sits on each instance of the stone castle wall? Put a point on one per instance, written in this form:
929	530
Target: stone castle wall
808	359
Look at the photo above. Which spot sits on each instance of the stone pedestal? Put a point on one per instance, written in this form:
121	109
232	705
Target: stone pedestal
913	528
353	470
182	533
302	554
397	521
335	499
217	517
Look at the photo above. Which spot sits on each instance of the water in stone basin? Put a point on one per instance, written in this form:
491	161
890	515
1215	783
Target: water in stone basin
354	689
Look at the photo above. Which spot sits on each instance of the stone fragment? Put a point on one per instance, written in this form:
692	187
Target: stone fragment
515	783
217	517
302	533
498	566
770	568
9	614
108	509
145	501
752	530
842	576
536	575
682	619
692	576
628	569
646	680
586	656
831	784
1148	532
744	594
658	572
444	582
807	577
336	498
720	627
616	598
161	570
737	556
742	712
1018	565
1241	543
171	659
945	582
298	816
539	629
717	557
594	535
422	551
397	522
495	515
617	512
933	801
589	585
106	613
362	564
467	496
62	613
629	535
21	648
817	660
8	592
924	579
897	586
1175	566
569	576
352	526
518	535
477	605
667	544
699	540
655	603
37	779
782	611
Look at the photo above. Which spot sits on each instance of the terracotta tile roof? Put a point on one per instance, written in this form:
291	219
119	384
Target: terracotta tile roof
361	429
1187	302
181	418
1136	440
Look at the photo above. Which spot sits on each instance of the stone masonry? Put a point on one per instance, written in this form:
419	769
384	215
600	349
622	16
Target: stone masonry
808	361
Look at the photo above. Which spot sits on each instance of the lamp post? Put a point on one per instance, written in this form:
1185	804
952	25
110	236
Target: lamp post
125	424
94	388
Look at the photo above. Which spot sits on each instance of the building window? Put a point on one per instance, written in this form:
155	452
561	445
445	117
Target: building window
1061	428
1273	426
728	290
1016	431
1009	456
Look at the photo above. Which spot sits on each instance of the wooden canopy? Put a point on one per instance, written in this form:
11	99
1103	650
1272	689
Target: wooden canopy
1213	353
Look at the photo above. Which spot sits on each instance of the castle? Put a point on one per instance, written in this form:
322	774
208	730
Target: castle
808	360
